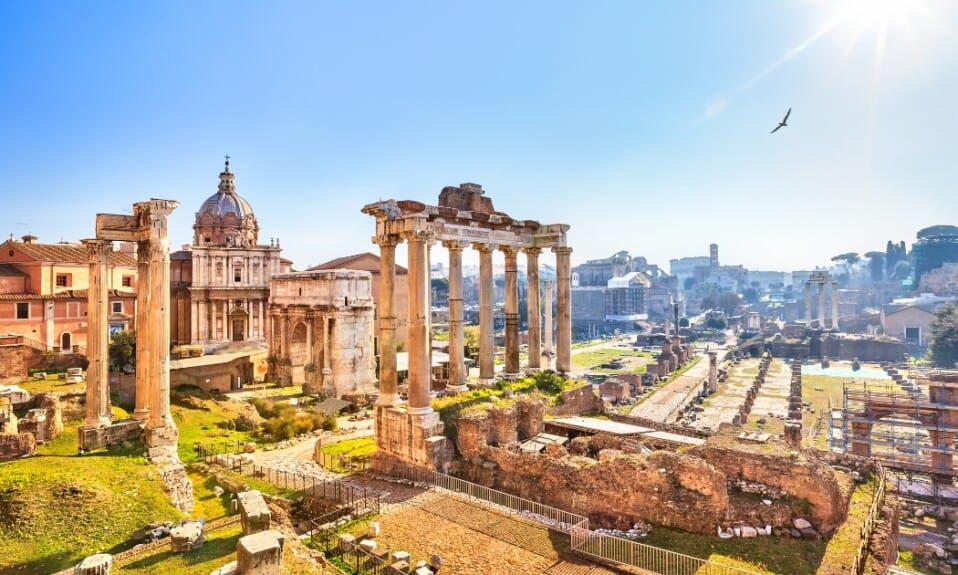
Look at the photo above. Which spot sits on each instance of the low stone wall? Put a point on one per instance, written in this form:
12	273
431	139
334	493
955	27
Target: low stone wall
16	445
676	490
578	400
15	360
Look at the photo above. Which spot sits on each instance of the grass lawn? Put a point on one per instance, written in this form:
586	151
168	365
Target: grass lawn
51	383
358	447
59	507
593	359
844	544
760	554
204	421
219	548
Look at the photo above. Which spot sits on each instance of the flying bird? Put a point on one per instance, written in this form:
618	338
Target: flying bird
783	123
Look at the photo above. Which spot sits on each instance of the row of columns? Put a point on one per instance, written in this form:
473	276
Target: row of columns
418	319
821	303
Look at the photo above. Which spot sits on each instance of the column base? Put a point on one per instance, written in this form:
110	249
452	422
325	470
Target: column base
412	438
511	376
388	400
486	381
141	414
419	410
95	437
455	389
161	436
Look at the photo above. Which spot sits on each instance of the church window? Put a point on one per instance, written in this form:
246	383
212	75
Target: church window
237	275
63	280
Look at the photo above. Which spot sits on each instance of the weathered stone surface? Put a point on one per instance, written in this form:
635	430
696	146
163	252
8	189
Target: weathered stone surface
186	537
98	564
260	553
231	568
15	445
254	513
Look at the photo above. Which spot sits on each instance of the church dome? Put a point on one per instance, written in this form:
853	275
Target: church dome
225	219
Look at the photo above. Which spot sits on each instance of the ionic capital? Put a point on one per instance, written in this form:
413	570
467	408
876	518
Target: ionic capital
453	245
532	252
562	250
509	251
417	236
387	241
484	248
97	249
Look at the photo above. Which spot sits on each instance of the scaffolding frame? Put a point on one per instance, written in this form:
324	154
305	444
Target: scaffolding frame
916	423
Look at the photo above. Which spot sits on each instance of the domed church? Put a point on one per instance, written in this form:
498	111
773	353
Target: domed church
220	284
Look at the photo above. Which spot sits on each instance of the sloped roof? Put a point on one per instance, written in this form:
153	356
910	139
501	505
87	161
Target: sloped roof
65	253
8	270
331	406
366	261
181	255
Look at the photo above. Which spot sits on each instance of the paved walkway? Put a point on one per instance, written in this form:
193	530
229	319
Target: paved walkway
666	401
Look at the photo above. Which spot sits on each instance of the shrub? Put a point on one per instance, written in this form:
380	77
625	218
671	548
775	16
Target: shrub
549	382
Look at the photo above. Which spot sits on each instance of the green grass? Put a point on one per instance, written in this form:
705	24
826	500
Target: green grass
593	359
358	447
219	548
760	554
843	545
51	383
258	484
203	422
59	507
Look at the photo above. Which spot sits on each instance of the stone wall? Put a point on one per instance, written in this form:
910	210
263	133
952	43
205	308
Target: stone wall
15	360
578	400
16	445
664	488
803	476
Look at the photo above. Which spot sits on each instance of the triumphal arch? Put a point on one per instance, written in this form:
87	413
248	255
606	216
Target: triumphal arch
464	218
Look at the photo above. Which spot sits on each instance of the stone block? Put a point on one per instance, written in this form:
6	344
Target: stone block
186	537
346	542
367	545
400	556
254	513
260	553
230	568
375	528
749	531
98	564
399	568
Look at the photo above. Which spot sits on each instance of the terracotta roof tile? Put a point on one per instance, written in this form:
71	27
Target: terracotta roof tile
66	253
63	295
8	270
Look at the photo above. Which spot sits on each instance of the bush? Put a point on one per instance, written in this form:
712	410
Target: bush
549	382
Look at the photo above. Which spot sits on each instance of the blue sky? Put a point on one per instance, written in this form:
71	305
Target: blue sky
644	125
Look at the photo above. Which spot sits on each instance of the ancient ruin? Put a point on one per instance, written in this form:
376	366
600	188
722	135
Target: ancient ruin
821	279
464	217
148	228
321	324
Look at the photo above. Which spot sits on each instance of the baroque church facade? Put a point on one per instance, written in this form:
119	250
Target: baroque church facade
220	283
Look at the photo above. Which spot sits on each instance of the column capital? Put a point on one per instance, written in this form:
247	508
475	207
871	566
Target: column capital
453	245
417	236
483	248
532	252
510	252
387	241
97	248
562	250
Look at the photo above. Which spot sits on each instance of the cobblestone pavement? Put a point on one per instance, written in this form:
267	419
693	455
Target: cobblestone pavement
666	401
771	401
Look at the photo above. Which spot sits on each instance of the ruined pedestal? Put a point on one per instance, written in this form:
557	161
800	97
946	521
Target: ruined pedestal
186	537
412	438
260	553
254	513
98	564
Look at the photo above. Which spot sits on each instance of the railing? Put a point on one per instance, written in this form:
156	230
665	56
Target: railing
341	463
360	499
858	565
584	541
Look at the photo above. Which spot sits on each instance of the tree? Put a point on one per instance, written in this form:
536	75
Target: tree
688	283
944	336
726	302
876	265
847	260
470	334
123	350
683	322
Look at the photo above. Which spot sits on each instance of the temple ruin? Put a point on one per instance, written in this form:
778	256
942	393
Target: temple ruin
821	279
463	218
152	416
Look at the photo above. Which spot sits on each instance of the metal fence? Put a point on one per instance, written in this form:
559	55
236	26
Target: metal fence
360	499
340	463
858	565
596	546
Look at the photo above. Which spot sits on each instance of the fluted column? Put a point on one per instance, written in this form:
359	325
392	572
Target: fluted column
512	311
834	287
564	309
535	332
457	371
144	365
547	327
808	303
486	327
98	352
386	303
418	378
821	306
158	336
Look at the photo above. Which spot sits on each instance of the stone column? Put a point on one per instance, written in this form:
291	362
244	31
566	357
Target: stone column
834	289
713	372
808	303
144	364
457	375
535	331
328	384
564	309
486	331
387	321
98	345
157	336
419	375
512	312
821	306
